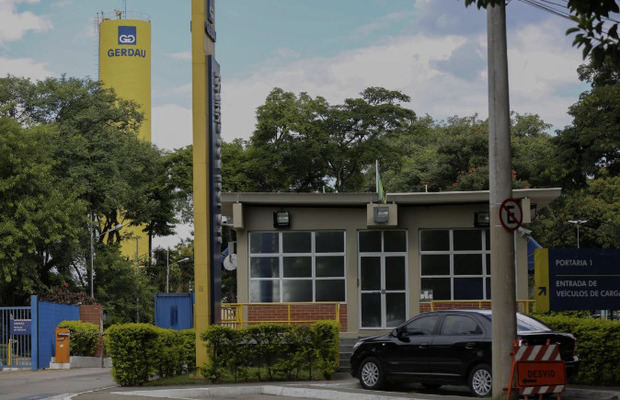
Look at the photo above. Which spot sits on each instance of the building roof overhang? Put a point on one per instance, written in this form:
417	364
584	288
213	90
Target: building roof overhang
540	197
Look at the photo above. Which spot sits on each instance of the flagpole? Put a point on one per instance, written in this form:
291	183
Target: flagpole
377	176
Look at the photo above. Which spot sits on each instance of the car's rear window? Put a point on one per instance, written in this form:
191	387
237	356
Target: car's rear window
526	324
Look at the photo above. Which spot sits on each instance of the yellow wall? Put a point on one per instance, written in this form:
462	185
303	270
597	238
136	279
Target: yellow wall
125	66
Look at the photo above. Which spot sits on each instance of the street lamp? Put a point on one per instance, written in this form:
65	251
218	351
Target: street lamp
168	268
92	253
577	222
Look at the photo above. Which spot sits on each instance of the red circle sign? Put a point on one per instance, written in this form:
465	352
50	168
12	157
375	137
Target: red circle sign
511	215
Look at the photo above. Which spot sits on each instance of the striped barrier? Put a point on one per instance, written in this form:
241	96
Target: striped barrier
538	370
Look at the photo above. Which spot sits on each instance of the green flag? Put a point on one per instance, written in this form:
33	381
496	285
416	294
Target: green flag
380	192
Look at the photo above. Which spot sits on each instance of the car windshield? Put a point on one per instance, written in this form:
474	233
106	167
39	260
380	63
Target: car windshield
527	324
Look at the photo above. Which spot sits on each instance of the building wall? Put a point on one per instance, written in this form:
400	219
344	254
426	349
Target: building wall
353	219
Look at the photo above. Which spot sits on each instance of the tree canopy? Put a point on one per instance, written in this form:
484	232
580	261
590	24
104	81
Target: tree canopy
70	159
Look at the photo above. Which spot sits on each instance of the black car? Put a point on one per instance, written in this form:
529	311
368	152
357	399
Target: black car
446	347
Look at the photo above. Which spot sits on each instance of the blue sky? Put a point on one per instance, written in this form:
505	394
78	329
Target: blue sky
433	50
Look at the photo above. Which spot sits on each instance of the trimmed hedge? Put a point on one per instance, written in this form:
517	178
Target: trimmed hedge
84	337
142	351
277	351
598	347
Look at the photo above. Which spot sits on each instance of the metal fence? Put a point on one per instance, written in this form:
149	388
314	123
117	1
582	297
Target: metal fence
15	337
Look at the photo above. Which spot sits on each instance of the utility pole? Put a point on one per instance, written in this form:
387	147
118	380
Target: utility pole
500	188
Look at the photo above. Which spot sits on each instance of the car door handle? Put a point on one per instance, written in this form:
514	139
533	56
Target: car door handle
470	346
422	346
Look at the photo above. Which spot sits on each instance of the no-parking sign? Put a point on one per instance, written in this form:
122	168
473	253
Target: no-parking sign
511	215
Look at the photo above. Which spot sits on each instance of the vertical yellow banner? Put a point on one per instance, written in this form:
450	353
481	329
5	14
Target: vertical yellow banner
541	279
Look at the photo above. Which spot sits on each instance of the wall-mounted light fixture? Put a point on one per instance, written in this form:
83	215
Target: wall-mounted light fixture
281	219
481	220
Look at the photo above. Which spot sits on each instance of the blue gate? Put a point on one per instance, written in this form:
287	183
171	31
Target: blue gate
15	337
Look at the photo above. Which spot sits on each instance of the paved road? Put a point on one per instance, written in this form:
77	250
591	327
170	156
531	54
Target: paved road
97	384
44	384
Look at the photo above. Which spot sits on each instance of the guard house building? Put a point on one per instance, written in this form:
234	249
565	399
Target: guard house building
382	263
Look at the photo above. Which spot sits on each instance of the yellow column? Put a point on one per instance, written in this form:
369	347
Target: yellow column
202	46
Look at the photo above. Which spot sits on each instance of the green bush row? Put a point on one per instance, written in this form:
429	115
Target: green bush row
598	347
271	351
142	351
84	337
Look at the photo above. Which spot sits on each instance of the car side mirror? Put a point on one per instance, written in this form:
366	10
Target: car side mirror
403	335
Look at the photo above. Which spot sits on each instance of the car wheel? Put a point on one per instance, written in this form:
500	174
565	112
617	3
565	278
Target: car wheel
371	374
480	380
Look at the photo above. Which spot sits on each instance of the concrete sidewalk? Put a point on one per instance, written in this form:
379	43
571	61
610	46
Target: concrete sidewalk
341	387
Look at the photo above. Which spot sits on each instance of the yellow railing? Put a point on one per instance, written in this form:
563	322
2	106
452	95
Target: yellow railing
523	306
240	315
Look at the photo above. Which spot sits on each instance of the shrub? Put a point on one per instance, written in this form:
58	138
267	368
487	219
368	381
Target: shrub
84	337
133	348
282	351
141	351
598	347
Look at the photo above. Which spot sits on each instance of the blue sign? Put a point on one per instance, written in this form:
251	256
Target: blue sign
584	279
127	35
20	326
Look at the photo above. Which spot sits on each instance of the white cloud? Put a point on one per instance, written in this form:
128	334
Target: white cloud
542	67
181	55
171	126
14	24
24	67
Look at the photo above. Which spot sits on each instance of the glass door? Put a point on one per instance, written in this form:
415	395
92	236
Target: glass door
383	278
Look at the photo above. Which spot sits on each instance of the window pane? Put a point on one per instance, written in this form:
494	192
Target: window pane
296	290
371	273
435	240
436	264
265	291
330	266
264	267
371	309
297	267
395	273
296	242
370	241
330	290
439	286
487	282
264	242
469	239
487	239
329	242
394	241
488	256
467	264
422	325
395	309
467	289
457	325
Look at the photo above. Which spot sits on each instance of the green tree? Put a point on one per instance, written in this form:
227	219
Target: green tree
598	204
40	215
305	144
74	144
590	146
